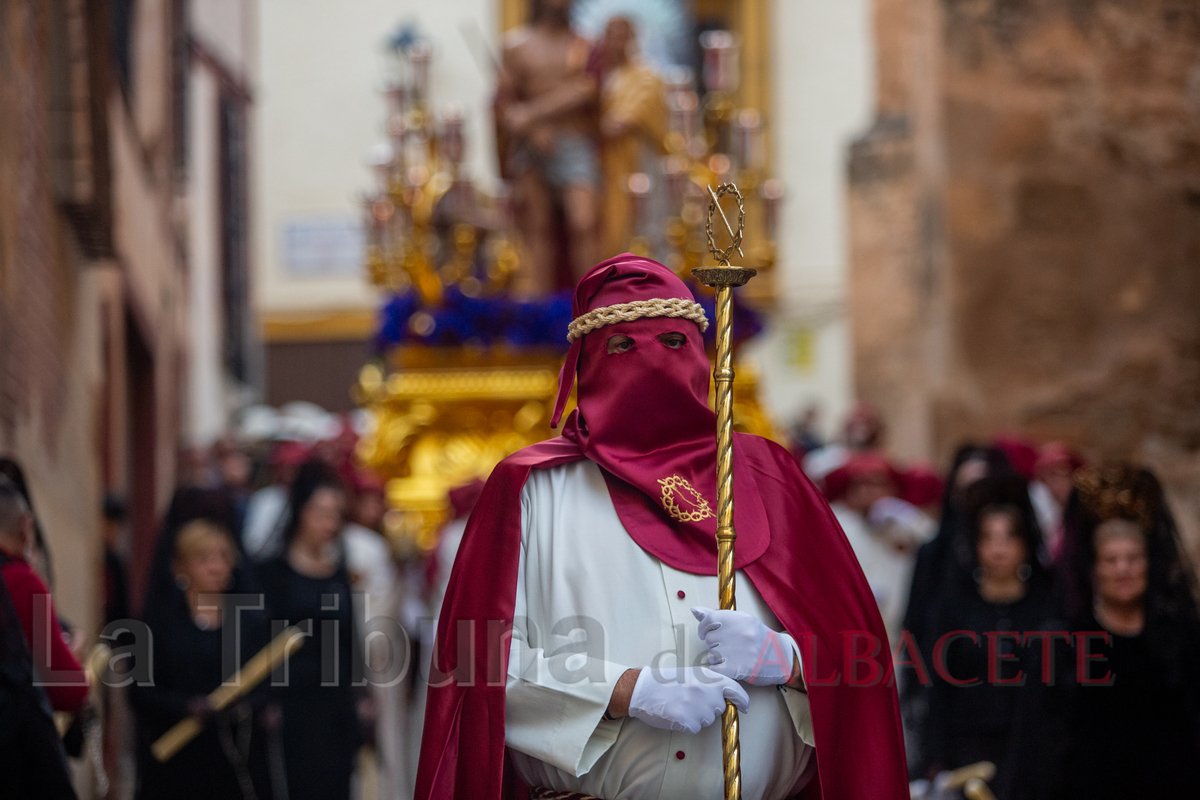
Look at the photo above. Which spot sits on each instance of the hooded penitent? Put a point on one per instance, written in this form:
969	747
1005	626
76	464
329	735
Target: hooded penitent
644	419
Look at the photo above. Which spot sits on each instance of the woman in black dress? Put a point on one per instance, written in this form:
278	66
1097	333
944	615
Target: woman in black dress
1132	718
981	707
308	586
228	759
941	566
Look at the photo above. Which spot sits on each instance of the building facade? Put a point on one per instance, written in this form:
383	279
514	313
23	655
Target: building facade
101	309
320	119
226	365
1025	229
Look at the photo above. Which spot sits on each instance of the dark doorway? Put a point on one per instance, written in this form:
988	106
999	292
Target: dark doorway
141	428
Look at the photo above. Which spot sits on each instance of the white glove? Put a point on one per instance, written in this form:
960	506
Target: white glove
742	648
685	699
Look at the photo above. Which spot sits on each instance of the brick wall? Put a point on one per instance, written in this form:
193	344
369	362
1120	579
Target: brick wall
89	245
37	293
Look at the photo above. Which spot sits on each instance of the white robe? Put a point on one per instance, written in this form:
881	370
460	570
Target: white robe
888	570
376	585
264	522
583	580
447	550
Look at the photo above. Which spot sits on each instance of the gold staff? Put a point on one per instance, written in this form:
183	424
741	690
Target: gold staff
723	278
250	675
972	779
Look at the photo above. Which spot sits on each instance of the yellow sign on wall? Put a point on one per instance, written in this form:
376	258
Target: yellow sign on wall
801	350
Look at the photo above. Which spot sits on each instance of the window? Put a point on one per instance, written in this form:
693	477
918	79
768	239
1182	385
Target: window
181	59
234	219
123	18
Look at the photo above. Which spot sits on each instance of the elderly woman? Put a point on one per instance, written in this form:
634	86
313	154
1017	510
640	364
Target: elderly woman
1132	714
228	759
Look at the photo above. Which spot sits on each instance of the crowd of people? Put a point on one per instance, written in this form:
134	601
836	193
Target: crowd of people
1041	613
233	562
310	544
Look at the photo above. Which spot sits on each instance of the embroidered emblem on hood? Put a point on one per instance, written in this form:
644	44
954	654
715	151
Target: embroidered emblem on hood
681	500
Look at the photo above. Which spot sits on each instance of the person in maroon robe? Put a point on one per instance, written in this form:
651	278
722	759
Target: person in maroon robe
610	527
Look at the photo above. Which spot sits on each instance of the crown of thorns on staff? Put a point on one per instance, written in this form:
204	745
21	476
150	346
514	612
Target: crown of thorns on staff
677	307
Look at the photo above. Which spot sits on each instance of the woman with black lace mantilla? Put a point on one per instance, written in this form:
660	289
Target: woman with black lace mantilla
986	702
1132	717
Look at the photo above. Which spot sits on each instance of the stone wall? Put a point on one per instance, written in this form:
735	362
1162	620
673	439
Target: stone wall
1025	229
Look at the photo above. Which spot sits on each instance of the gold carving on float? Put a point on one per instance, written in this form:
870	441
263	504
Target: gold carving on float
678	487
436	428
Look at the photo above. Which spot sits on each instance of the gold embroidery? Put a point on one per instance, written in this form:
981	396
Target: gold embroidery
675	486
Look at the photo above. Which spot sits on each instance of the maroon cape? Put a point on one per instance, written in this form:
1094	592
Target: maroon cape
808	576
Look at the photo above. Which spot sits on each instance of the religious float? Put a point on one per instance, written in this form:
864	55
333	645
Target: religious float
466	367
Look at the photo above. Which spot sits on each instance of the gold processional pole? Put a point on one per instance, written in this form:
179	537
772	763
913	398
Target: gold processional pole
723	278
972	779
252	673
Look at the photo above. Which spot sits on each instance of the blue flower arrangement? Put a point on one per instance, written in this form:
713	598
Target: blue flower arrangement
499	319
483	321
